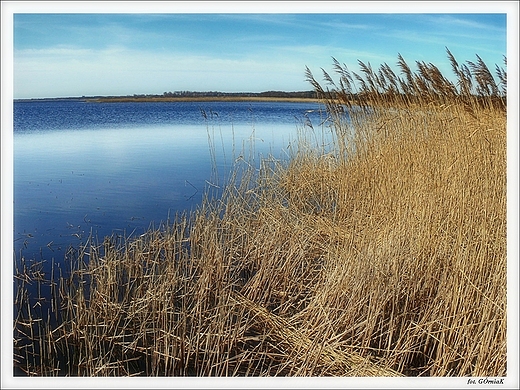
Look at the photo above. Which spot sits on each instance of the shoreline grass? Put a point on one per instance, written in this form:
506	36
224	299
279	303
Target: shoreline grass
383	254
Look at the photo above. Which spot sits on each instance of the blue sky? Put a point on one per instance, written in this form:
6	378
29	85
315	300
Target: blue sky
156	49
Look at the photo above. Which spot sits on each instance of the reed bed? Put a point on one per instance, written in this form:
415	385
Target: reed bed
382	253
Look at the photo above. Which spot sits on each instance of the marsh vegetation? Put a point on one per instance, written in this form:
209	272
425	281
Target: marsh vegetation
381	253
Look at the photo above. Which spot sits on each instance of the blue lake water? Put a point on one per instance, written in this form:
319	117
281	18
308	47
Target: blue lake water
101	168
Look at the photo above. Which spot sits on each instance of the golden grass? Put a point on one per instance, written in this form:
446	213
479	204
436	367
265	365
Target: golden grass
384	255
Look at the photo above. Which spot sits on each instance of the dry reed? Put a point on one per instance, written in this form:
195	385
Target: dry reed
383	255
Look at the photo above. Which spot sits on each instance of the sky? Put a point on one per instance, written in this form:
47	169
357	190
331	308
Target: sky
147	48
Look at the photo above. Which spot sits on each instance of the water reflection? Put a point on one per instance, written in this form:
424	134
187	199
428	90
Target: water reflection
69	184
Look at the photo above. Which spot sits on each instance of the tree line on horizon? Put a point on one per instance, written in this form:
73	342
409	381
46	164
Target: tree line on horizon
195	94
282	94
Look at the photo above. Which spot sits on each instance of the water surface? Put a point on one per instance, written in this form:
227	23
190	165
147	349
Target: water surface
98	168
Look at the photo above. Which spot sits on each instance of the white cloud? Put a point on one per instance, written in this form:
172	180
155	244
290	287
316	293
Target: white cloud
453	21
67	71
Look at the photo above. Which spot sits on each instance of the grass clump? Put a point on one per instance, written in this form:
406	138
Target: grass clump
382	254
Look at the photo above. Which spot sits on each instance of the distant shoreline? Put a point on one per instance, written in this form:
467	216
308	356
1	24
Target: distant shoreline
273	96
179	99
204	99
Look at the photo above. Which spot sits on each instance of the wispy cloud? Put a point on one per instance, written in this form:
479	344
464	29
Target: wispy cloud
454	22
149	53
449	30
308	52
116	70
468	42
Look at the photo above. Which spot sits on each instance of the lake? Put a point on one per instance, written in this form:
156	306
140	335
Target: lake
84	168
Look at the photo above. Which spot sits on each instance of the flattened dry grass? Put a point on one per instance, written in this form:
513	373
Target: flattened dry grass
384	255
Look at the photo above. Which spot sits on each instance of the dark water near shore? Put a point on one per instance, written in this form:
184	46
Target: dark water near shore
101	168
